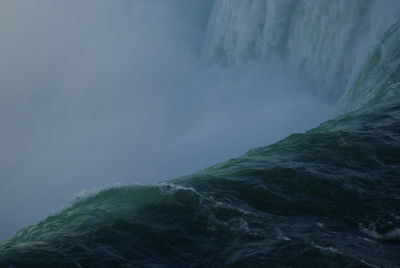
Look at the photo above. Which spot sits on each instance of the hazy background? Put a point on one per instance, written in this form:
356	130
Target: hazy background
98	92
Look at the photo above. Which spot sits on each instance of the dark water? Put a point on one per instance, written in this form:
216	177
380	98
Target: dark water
326	198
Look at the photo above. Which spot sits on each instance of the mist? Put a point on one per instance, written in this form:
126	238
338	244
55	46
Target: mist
95	93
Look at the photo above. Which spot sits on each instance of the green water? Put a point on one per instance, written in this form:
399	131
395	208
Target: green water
326	198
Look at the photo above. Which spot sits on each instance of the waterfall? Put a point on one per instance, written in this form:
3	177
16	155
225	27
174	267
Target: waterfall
326	42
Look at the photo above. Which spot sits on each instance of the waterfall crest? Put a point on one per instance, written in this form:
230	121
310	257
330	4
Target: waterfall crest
324	41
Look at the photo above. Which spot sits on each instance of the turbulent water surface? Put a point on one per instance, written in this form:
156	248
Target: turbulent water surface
329	197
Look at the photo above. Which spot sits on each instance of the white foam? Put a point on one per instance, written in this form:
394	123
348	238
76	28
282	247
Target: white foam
391	235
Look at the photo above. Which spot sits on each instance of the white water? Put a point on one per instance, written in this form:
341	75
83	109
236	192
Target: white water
97	92
379	78
326	41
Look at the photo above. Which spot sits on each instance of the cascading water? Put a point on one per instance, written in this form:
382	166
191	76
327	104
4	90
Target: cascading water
325	41
378	81
328	197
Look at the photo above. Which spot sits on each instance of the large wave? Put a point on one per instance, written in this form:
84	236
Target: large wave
118	92
327	197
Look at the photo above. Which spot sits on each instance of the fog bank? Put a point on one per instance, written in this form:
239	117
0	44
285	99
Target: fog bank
94	93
